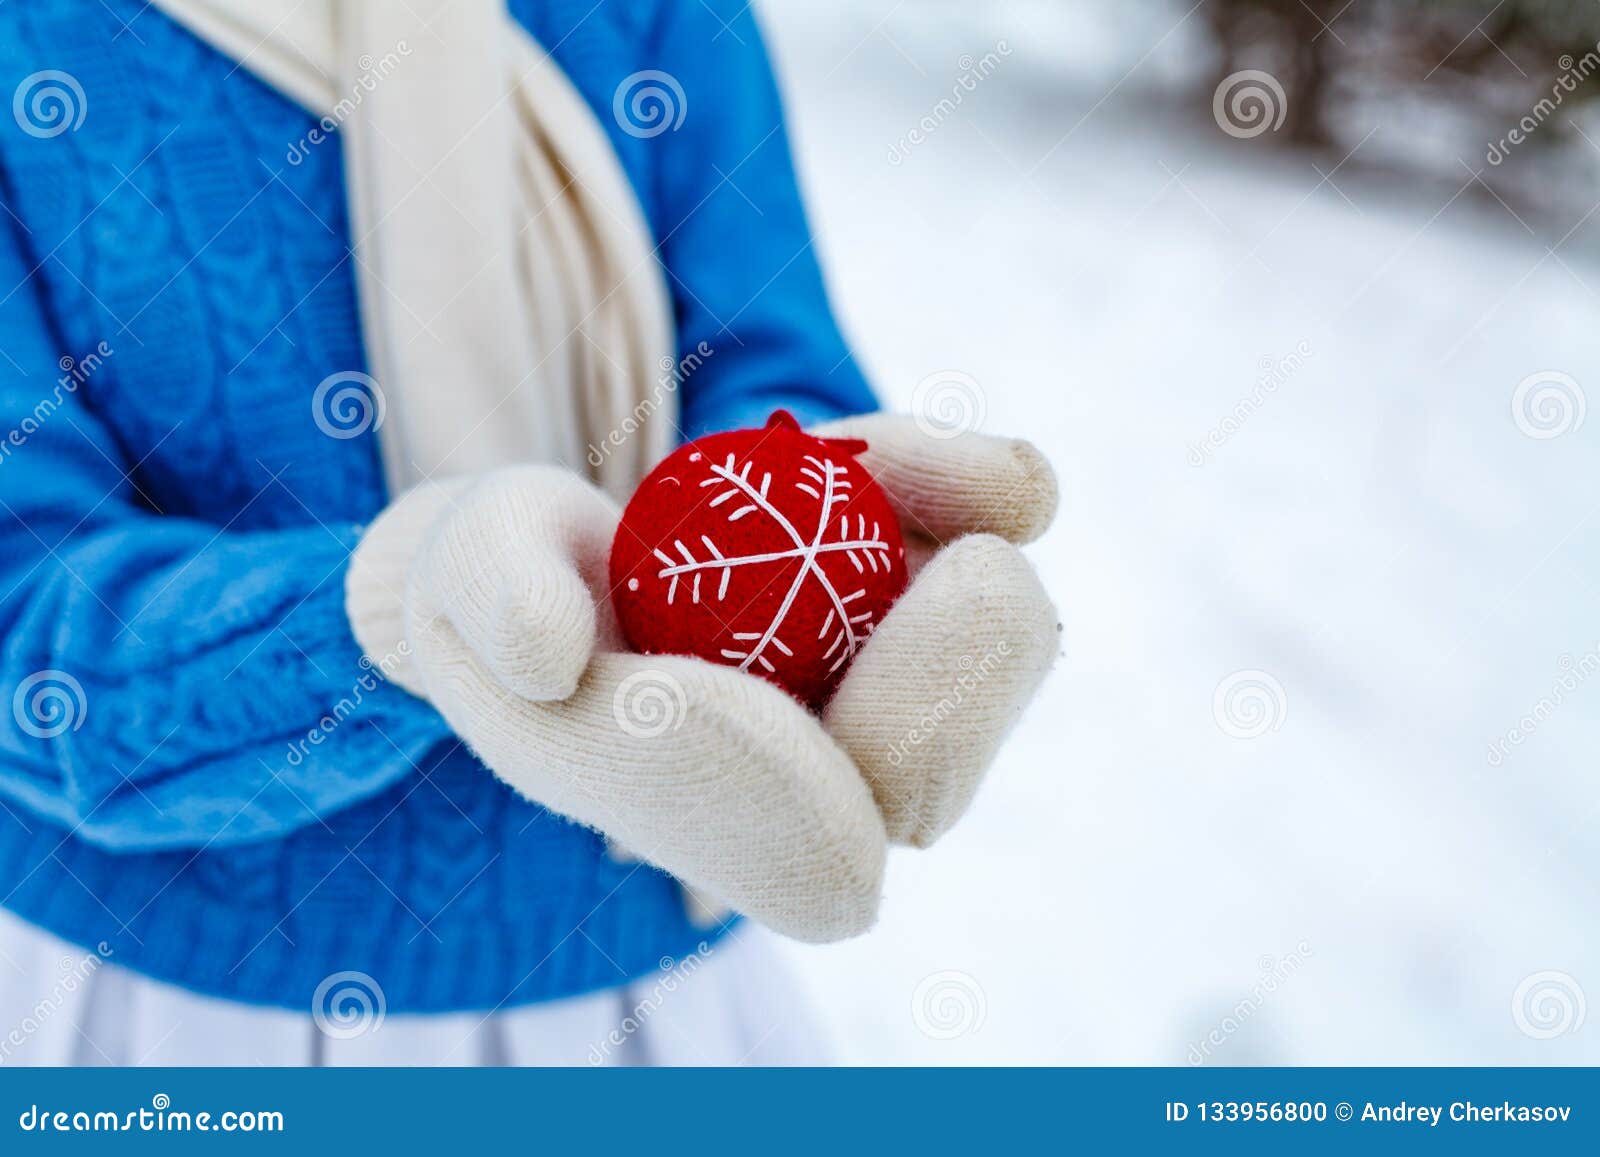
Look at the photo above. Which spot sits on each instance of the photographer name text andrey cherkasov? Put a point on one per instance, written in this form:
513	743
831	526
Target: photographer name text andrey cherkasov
1463	1112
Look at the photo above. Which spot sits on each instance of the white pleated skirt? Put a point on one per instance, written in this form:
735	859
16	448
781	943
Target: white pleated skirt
738	1005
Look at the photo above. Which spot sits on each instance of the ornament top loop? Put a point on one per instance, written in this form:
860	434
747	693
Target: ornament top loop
783	420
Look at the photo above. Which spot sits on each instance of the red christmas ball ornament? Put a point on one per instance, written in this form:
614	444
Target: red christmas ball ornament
768	550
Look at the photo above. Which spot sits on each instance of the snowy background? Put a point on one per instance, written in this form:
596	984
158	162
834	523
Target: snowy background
1382	539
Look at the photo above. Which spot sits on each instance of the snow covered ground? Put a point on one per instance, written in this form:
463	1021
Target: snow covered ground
1402	569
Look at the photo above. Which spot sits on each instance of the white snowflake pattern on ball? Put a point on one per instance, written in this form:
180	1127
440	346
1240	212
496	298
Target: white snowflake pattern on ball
828	484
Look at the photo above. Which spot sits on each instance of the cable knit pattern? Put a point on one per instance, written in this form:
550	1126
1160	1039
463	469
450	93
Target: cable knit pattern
234	801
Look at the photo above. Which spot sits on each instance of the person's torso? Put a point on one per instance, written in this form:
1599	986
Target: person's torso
195	226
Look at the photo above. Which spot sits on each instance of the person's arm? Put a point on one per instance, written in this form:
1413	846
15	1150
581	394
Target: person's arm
738	251
165	681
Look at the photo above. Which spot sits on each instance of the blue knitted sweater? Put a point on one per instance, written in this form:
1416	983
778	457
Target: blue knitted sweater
196	767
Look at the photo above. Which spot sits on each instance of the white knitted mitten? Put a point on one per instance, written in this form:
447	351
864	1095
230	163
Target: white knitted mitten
496	586
950	668
722	779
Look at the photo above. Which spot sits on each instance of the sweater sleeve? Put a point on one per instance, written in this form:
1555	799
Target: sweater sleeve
170	682
739	254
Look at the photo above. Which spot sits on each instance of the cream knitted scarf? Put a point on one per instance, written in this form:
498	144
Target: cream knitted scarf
511	303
